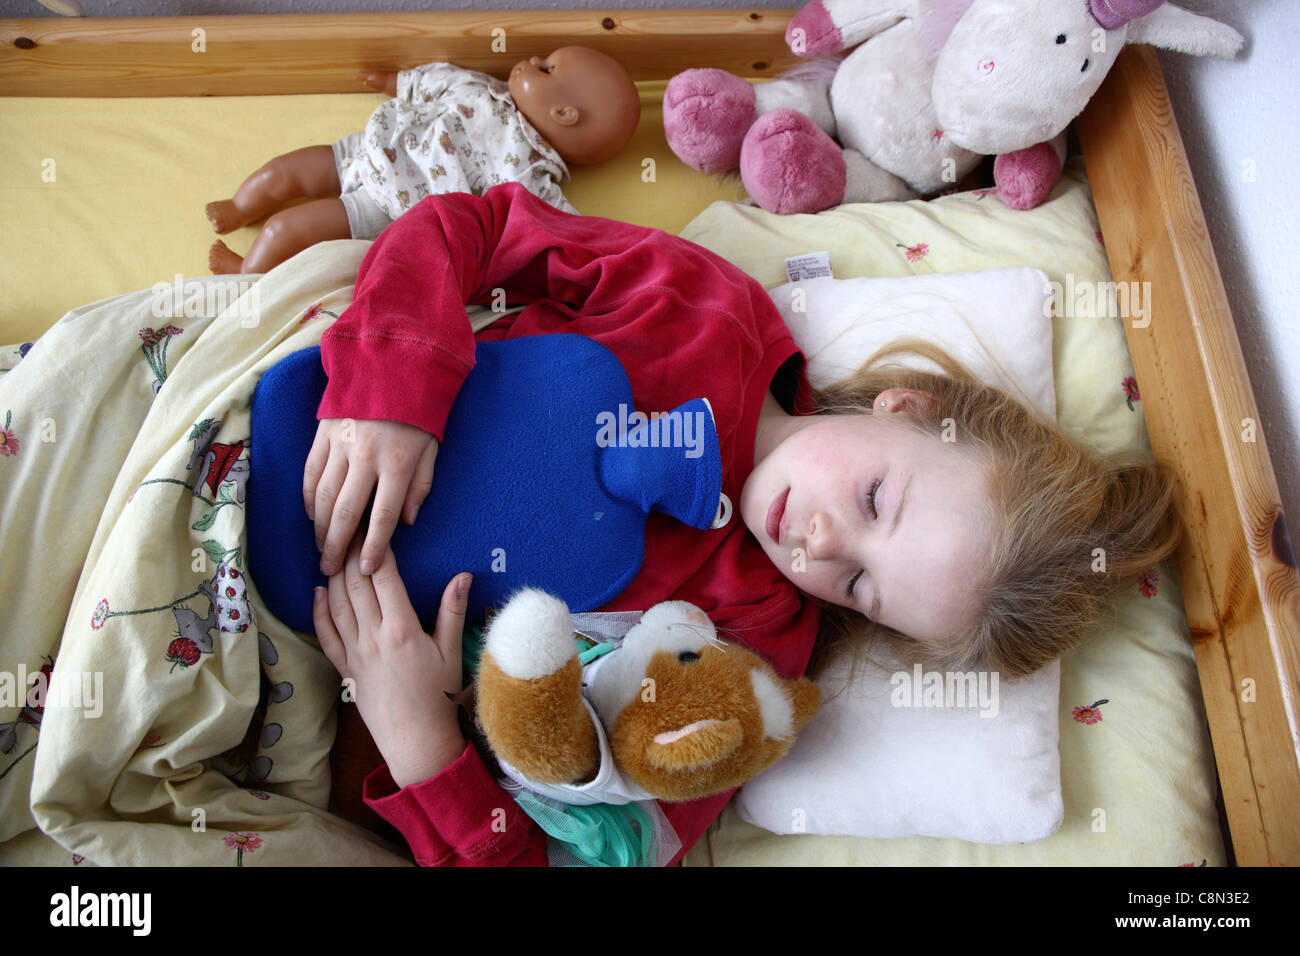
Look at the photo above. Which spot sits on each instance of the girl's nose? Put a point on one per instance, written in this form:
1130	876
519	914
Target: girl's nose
821	536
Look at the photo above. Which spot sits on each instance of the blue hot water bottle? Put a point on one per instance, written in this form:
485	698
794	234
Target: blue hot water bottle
545	477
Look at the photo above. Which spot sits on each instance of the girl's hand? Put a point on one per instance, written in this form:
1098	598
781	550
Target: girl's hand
400	676
346	459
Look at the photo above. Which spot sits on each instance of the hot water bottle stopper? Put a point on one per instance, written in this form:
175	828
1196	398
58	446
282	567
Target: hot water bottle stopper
545	477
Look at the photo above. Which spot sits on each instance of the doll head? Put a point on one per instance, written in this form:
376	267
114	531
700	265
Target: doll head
582	102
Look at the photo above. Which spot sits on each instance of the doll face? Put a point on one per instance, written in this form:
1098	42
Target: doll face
860	511
582	102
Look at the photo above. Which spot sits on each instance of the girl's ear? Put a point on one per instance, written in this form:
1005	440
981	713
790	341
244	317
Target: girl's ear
924	404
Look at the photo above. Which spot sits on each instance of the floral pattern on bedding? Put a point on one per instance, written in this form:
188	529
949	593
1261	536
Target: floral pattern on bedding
1090	714
154	346
152	450
915	253
8	442
1130	387
1147	583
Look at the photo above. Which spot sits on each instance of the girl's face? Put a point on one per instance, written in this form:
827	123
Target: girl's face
860	511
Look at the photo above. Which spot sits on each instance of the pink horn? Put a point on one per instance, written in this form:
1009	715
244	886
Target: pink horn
1113	14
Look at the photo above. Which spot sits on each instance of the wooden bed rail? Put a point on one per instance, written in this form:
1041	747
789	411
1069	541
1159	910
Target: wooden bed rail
1237	567
289	53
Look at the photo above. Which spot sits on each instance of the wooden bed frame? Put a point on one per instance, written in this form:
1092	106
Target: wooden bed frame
1237	567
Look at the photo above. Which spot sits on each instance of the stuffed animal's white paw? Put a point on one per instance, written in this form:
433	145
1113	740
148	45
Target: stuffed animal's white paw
532	636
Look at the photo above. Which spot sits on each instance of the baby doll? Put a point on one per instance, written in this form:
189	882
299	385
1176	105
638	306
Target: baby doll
446	129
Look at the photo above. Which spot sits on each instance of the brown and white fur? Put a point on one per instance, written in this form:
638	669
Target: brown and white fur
686	715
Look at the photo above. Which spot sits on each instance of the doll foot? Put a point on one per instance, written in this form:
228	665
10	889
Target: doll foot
222	261
224	216
789	165
706	114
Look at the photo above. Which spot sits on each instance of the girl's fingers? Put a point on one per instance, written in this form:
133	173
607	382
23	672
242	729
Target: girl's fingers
316	460
421	481
327	492
346	515
390	589
451	615
361	592
331	644
340	610
384	514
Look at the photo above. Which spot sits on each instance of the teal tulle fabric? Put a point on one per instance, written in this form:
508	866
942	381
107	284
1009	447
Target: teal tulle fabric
596	835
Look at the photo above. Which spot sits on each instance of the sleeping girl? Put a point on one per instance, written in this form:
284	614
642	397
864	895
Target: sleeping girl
972	555
445	129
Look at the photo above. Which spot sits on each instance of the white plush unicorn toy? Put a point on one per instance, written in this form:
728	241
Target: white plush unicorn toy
928	88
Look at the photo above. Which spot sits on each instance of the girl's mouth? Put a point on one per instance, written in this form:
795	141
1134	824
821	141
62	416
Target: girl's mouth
776	515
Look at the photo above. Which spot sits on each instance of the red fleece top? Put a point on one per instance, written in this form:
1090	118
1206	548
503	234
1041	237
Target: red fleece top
684	322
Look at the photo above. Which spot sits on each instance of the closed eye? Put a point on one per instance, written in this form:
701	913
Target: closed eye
871	498
871	506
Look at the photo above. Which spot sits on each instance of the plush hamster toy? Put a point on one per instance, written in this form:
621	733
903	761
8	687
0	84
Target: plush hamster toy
671	713
929	88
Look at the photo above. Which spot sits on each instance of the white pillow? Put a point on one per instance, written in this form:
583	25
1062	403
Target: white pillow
868	764
997	322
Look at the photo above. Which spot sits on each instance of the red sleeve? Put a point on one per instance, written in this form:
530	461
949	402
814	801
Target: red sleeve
402	349
458	817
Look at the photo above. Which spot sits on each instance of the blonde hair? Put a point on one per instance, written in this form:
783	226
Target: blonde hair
1054	503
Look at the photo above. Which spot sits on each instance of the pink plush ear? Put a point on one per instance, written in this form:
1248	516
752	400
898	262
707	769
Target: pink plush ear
1113	14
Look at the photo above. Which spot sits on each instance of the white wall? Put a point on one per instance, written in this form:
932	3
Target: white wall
1238	120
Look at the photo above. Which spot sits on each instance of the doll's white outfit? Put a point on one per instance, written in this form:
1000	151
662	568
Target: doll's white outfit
448	130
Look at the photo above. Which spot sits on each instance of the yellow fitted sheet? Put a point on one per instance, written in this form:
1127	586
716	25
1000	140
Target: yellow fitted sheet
104	196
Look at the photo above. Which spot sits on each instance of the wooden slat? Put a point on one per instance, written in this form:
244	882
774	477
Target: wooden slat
1237	569
254	55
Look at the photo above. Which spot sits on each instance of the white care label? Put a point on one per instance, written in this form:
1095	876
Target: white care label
813	265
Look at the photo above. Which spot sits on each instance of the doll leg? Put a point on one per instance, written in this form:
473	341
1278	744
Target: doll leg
285	234
305	173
